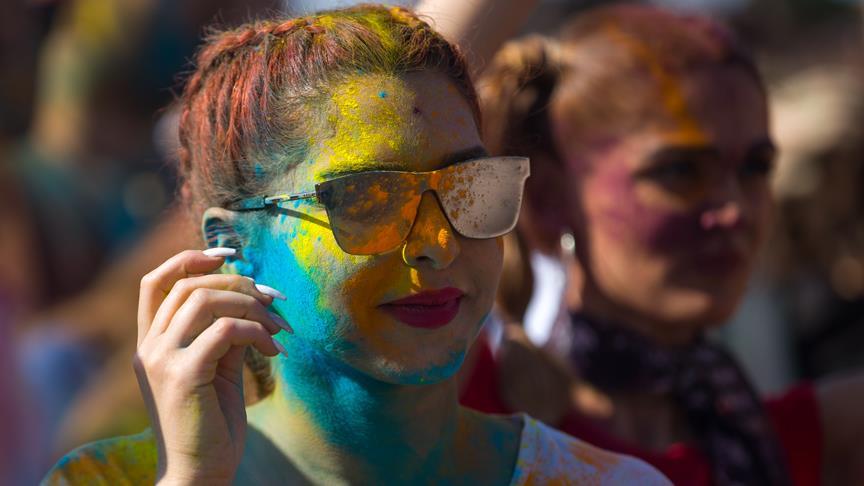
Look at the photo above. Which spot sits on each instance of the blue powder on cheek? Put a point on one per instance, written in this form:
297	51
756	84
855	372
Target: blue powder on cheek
443	371
278	268
382	94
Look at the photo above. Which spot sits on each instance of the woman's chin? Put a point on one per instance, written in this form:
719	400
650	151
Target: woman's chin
399	371
700	310
400	354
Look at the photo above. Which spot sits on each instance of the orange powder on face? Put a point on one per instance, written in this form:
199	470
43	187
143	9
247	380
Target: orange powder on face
364	291
444	237
392	276
671	93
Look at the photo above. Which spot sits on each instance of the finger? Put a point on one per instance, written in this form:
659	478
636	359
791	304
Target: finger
226	333
205	306
184	288
156	284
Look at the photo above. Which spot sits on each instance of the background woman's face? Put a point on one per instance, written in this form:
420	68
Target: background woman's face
418	122
671	216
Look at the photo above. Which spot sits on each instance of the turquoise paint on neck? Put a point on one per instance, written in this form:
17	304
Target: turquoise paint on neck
379	424
393	428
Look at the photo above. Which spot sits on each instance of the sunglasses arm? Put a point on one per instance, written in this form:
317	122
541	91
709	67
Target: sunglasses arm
261	202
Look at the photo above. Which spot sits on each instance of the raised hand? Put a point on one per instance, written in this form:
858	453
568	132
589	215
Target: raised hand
193	328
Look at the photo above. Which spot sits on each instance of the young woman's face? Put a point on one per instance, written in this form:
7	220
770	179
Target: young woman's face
671	216
337	303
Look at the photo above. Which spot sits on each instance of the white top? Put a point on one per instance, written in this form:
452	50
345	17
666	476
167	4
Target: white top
547	456
547	299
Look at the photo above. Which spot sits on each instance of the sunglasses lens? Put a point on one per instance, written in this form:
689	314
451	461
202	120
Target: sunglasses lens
373	212
482	198
370	213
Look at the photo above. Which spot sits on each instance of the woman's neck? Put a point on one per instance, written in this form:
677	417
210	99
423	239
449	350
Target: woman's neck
335	423
595	304
651	421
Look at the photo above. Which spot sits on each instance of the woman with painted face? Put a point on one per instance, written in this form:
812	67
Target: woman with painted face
353	219
649	141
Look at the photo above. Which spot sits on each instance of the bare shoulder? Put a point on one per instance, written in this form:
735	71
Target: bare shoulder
548	456
119	460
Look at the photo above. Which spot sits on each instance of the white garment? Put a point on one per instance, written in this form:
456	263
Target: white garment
547	456
547	299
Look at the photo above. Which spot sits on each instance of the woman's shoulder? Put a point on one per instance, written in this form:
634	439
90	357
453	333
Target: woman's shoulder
547	456
129	459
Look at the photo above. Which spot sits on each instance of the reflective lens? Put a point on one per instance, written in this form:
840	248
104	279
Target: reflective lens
370	212
373	212
482	198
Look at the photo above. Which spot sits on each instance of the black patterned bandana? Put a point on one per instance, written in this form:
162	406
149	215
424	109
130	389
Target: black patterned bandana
723	410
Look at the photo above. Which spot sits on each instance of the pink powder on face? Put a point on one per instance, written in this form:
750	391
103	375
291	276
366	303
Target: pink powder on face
681	234
626	217
719	223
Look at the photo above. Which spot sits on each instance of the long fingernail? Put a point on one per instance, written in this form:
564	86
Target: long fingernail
220	252
281	322
266	290
279	346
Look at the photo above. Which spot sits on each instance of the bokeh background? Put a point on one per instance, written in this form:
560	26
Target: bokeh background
87	137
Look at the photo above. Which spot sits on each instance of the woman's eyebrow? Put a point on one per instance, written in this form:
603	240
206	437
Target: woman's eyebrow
335	172
682	152
448	160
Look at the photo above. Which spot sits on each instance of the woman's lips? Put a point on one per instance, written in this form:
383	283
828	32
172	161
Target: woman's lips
720	256
430	309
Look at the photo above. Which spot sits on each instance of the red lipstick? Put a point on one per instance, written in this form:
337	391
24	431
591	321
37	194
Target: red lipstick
429	310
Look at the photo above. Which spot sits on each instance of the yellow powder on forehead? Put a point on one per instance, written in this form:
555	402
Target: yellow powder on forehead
372	118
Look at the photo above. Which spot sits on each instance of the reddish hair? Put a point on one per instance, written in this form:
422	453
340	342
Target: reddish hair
258	89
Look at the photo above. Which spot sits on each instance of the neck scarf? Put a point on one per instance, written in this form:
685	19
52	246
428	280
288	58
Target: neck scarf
723	410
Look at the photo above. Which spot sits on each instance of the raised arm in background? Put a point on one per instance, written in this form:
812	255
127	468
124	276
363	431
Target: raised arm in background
479	27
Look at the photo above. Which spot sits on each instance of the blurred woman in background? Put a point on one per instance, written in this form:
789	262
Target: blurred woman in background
650	145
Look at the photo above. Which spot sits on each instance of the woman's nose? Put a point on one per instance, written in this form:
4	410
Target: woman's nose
727	208
432	240
726	216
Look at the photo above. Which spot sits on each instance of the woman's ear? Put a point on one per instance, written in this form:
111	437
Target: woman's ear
220	229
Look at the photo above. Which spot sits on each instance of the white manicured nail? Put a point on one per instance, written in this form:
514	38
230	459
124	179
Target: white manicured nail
281	322
279	346
220	252
267	290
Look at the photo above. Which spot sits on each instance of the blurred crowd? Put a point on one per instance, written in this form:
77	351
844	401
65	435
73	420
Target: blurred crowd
87	184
